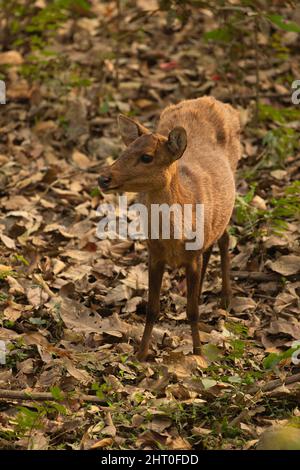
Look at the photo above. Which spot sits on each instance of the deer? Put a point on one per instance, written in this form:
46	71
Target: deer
191	158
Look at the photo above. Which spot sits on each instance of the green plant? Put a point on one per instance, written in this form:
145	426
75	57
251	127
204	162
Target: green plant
3	297
246	214
256	222
288	205
280	143
21	259
28	419
101	390
30	26
273	359
4	273
280	115
32	30
57	393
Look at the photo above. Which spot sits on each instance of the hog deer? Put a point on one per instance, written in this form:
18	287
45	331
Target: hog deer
190	159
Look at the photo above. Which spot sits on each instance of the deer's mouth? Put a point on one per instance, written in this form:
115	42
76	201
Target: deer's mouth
110	189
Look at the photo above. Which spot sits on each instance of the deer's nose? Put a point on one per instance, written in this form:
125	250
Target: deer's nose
104	181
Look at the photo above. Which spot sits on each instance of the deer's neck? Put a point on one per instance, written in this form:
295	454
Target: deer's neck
174	191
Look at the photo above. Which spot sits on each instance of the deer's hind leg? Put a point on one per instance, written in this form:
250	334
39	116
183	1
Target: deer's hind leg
223	243
205	261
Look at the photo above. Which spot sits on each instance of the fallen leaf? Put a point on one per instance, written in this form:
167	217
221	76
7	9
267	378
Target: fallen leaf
106	442
81	160
8	242
11	58
38	440
286	265
37	296
242	304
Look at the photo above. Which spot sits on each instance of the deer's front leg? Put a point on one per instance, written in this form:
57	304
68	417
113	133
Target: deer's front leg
156	270
193	274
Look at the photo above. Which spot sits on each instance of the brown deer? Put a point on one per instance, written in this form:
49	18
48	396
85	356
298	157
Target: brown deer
190	159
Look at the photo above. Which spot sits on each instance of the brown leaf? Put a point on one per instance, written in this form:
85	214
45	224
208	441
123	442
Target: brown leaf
106	442
81	160
37	296
14	286
13	311
286	265
201	431
242	304
137	278
8	242
118	293
11	58
177	443
159	424
38	440
76	316
27	366
79	374
291	328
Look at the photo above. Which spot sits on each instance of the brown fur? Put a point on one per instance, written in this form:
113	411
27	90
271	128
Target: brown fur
193	164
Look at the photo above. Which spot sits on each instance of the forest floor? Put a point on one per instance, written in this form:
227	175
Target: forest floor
72	306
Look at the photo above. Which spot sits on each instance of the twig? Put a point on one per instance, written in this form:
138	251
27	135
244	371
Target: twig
262	277
235	421
233	8
257	86
252	96
46	396
117	49
268	387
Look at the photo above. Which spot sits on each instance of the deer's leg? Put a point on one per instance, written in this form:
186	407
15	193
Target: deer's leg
223	243
156	270
206	257
193	273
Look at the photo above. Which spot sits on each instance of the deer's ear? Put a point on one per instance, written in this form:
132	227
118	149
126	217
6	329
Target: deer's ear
130	129
177	142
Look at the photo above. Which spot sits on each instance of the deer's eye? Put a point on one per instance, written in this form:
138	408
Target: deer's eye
146	158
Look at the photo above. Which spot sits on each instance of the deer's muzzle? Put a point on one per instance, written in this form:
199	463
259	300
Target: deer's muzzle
104	181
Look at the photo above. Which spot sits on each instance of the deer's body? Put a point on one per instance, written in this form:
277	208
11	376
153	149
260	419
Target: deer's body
205	172
193	157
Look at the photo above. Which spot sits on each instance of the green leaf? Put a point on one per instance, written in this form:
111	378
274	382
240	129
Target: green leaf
235	379
21	259
61	409
57	393
211	351
238	348
104	108
208	383
271	360
95	192
37	321
219	34
279	21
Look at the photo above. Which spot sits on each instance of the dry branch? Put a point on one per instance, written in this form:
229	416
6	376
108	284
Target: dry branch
269	386
262	277
45	396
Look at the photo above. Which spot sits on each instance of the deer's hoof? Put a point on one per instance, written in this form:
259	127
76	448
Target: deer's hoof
197	351
225	302
141	355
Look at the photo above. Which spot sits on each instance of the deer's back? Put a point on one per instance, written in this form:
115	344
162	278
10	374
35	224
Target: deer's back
208	165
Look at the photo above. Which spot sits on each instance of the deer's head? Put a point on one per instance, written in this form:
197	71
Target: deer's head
145	164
